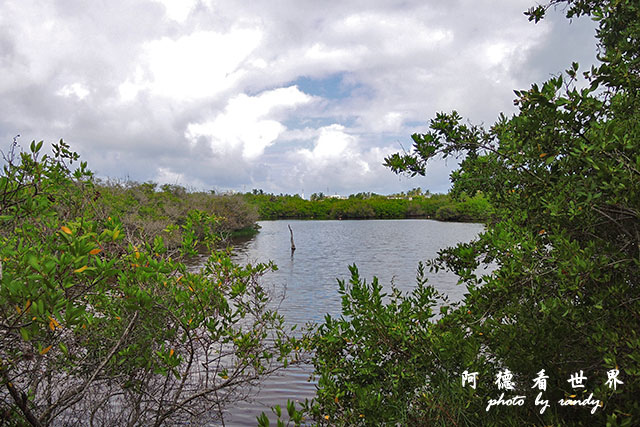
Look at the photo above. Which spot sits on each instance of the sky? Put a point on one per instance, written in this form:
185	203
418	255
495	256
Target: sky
294	97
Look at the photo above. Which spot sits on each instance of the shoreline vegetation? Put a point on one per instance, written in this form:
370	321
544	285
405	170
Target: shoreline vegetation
147	209
413	204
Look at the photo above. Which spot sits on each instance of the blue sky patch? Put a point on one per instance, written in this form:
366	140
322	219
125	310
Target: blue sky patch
332	87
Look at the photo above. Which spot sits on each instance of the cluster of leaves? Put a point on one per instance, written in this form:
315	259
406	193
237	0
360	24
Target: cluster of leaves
295	416
99	328
366	206
563	175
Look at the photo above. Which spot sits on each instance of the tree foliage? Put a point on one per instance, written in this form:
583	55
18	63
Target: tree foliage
563	175
100	328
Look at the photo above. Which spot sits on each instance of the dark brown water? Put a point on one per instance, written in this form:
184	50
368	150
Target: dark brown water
388	249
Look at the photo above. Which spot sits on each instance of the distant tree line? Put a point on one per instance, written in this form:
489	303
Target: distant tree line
413	204
148	209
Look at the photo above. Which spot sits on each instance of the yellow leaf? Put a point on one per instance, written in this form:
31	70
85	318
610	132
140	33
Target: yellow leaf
190	288
225	377
171	353
116	233
336	399
53	323
542	155
81	269
95	251
66	229
18	309
45	350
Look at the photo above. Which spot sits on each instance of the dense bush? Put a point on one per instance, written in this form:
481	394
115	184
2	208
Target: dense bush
448	213
147	210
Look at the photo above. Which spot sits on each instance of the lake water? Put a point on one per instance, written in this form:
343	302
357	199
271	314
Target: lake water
388	249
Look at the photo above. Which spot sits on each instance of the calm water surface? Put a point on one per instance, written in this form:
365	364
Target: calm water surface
388	249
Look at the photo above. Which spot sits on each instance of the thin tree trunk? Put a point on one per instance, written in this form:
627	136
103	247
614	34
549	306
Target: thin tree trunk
293	245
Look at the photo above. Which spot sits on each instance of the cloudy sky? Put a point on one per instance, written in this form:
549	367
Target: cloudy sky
282	95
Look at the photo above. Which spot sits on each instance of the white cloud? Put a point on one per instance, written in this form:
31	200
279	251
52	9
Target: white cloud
199	65
178	10
332	143
336	160
393	34
167	176
78	90
248	123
